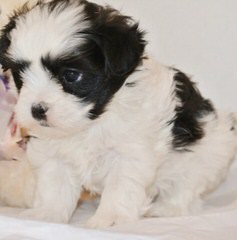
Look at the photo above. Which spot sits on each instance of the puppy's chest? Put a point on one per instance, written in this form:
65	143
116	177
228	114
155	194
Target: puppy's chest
94	171
90	163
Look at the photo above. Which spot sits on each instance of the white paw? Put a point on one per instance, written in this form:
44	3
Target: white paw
98	221
44	215
167	210
174	209
101	221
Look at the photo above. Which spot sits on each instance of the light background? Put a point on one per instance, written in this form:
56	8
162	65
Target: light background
196	36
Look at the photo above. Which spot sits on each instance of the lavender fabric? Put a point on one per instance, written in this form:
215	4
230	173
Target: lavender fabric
7	102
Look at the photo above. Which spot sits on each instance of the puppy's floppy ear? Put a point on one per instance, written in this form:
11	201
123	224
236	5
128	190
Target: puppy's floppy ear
118	37
5	38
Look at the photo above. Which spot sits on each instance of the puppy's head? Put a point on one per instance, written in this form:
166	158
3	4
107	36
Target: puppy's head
68	59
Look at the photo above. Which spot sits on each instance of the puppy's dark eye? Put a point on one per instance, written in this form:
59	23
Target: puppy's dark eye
72	75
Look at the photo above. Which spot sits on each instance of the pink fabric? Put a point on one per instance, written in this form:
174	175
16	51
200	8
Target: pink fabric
10	130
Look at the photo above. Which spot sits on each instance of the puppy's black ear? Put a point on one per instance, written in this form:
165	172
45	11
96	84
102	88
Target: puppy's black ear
5	40
118	37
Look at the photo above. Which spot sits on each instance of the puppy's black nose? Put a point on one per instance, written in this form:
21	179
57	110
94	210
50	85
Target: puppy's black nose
39	110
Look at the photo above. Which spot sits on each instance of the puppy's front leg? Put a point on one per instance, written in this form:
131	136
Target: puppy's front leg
124	196
57	193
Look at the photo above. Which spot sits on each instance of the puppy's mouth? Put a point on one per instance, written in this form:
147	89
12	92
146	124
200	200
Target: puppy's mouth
44	123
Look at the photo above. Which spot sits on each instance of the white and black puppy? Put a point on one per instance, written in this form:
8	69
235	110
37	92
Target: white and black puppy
106	118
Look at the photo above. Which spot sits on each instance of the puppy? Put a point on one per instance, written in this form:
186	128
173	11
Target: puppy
105	117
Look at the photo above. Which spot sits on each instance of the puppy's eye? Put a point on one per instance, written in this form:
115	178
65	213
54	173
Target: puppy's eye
72	75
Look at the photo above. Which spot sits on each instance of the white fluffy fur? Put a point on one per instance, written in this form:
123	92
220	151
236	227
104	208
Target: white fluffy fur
125	155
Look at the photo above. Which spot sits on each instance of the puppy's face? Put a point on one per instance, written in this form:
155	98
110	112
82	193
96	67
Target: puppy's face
68	59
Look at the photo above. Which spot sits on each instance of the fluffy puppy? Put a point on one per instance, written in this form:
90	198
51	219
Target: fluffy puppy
106	118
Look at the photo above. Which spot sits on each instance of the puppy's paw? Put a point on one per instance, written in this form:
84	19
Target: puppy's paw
43	215
101	221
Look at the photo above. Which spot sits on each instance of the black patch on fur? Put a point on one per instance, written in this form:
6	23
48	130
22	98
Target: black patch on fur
16	70
4	40
187	128
93	86
16	66
113	49
121	44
